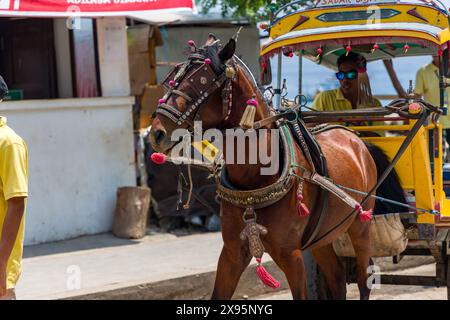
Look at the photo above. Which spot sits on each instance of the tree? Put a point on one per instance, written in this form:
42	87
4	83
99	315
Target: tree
253	10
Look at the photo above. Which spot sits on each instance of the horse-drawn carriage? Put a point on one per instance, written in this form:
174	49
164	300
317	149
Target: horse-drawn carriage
382	30
322	197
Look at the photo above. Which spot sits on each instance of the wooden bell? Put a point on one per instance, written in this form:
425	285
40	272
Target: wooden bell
248	118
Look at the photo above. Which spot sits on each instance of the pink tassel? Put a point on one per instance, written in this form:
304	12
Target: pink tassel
366	215
265	277
302	209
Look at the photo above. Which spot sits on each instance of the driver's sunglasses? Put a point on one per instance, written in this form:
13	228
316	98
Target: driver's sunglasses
350	75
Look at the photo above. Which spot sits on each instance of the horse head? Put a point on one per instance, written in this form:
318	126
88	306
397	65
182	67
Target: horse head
194	93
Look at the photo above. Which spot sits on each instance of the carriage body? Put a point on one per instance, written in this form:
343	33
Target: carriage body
383	30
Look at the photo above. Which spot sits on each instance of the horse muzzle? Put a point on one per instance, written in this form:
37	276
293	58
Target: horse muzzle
160	139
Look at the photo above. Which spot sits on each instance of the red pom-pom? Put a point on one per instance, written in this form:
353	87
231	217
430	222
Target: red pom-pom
376	47
171	83
252	102
158	158
208	61
319	51
291	54
406	48
348	48
440	53
161	101
191	43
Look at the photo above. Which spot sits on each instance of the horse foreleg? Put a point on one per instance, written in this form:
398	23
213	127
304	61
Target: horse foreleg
293	266
231	265
359	235
333	270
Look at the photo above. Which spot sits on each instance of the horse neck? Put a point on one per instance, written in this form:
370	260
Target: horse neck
248	176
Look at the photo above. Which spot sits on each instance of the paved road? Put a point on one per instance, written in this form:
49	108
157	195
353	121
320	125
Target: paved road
386	292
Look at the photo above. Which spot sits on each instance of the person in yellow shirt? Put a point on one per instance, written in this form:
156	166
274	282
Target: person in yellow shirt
427	86
354	91
13	194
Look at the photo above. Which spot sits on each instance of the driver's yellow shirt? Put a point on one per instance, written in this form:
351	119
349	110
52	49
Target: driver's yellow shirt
13	183
334	100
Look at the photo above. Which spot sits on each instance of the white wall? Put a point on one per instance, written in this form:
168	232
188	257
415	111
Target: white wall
80	152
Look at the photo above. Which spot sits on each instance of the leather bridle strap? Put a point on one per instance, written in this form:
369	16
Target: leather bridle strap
191	112
182	94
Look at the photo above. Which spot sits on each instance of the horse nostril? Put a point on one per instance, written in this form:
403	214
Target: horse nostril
159	135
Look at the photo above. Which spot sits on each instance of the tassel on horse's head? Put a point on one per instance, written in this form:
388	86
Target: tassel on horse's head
248	118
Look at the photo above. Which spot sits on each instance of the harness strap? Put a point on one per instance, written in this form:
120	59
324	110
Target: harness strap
170	109
182	94
163	111
329	186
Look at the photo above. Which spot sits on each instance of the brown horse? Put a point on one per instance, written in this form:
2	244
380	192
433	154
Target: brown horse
349	163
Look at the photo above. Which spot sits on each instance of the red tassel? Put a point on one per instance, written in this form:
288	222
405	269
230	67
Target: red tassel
302	209
265	276
364	215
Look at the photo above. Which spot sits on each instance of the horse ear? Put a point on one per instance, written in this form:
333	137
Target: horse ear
228	51
211	39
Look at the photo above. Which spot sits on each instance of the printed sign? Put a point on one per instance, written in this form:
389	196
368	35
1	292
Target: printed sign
91	8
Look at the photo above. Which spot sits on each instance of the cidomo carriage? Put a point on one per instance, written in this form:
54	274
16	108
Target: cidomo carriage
380	30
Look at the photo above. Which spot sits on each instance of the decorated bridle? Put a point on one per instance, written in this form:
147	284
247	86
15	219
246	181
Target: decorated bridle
201	84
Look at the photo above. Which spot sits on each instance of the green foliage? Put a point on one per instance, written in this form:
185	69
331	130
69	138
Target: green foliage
253	10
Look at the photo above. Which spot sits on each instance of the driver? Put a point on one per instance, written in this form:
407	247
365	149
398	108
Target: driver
354	91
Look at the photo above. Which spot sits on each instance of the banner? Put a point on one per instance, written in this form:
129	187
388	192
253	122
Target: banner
89	8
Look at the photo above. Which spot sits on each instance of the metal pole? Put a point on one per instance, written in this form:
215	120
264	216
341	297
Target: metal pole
300	72
278	89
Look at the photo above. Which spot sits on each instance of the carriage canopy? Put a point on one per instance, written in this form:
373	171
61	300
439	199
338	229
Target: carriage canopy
394	28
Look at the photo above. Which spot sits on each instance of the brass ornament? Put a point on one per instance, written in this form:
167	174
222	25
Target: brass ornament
252	232
230	72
